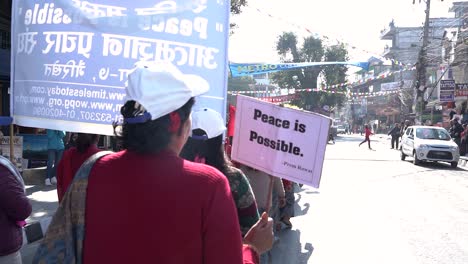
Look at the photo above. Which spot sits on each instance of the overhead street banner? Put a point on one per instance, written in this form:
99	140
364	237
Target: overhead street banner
245	69
71	58
282	142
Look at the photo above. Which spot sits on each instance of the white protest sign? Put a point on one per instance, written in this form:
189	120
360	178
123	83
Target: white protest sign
283	142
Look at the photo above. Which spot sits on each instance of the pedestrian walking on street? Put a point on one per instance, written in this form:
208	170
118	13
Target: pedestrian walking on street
205	145
145	204
14	209
395	134
368	133
55	147
464	140
455	130
73	158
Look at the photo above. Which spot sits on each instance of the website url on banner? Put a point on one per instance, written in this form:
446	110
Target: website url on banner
73	92
79	110
67	103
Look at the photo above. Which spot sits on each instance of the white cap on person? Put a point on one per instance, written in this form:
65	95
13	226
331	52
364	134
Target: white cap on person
209	121
161	88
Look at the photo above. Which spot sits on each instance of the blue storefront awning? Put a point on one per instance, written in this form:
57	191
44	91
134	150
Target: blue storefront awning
5	120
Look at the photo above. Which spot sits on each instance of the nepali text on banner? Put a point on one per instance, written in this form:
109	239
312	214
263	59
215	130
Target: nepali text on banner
70	59
244	69
282	142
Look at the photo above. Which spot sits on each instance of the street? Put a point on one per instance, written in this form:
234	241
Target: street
372	207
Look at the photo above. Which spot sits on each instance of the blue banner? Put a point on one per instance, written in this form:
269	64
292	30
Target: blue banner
70	58
244	69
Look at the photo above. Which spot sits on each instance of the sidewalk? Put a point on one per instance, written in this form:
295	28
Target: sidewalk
44	203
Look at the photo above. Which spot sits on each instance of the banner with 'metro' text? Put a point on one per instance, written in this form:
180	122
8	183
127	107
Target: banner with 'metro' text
282	142
71	58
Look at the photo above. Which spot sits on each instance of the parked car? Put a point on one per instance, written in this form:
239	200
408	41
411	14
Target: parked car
340	129
428	143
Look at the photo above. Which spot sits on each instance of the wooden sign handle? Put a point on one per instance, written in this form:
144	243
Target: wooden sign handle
270	193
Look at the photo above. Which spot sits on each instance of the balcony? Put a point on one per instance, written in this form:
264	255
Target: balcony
388	51
387	33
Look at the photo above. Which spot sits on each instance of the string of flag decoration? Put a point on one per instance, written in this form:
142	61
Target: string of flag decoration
279	99
381	76
317	35
349	94
319	90
373	78
358	103
292	92
355	96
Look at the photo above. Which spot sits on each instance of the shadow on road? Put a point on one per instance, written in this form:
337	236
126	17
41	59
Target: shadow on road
290	249
298	211
432	166
349	138
30	189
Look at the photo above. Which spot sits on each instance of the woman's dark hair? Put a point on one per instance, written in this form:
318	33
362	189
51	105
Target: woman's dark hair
152	136
84	141
210	149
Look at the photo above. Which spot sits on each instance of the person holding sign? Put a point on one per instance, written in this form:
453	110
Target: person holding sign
145	204
205	145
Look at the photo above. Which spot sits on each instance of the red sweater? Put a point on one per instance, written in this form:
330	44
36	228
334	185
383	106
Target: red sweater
68	166
160	209
368	133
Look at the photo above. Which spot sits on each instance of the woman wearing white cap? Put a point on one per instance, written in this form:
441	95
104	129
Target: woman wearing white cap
145	204
205	145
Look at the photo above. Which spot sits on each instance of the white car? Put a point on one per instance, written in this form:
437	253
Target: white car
427	143
340	129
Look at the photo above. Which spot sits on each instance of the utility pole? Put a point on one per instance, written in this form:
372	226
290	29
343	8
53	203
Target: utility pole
422	65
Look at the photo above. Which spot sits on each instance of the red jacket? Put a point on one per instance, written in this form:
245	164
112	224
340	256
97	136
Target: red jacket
368	132
68	166
160	209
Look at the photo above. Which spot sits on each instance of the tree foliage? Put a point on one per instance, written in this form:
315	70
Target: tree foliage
236	6
236	9
240	83
335	73
311	50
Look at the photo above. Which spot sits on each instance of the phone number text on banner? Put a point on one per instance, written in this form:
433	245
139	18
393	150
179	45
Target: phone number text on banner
70	59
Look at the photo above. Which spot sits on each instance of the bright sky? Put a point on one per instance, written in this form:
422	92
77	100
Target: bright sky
357	22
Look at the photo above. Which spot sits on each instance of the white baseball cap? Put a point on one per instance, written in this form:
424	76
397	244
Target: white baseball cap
209	121
161	88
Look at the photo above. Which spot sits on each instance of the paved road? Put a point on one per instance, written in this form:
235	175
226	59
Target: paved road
374	208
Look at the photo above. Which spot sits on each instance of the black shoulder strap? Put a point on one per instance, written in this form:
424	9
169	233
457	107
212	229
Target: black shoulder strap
86	167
